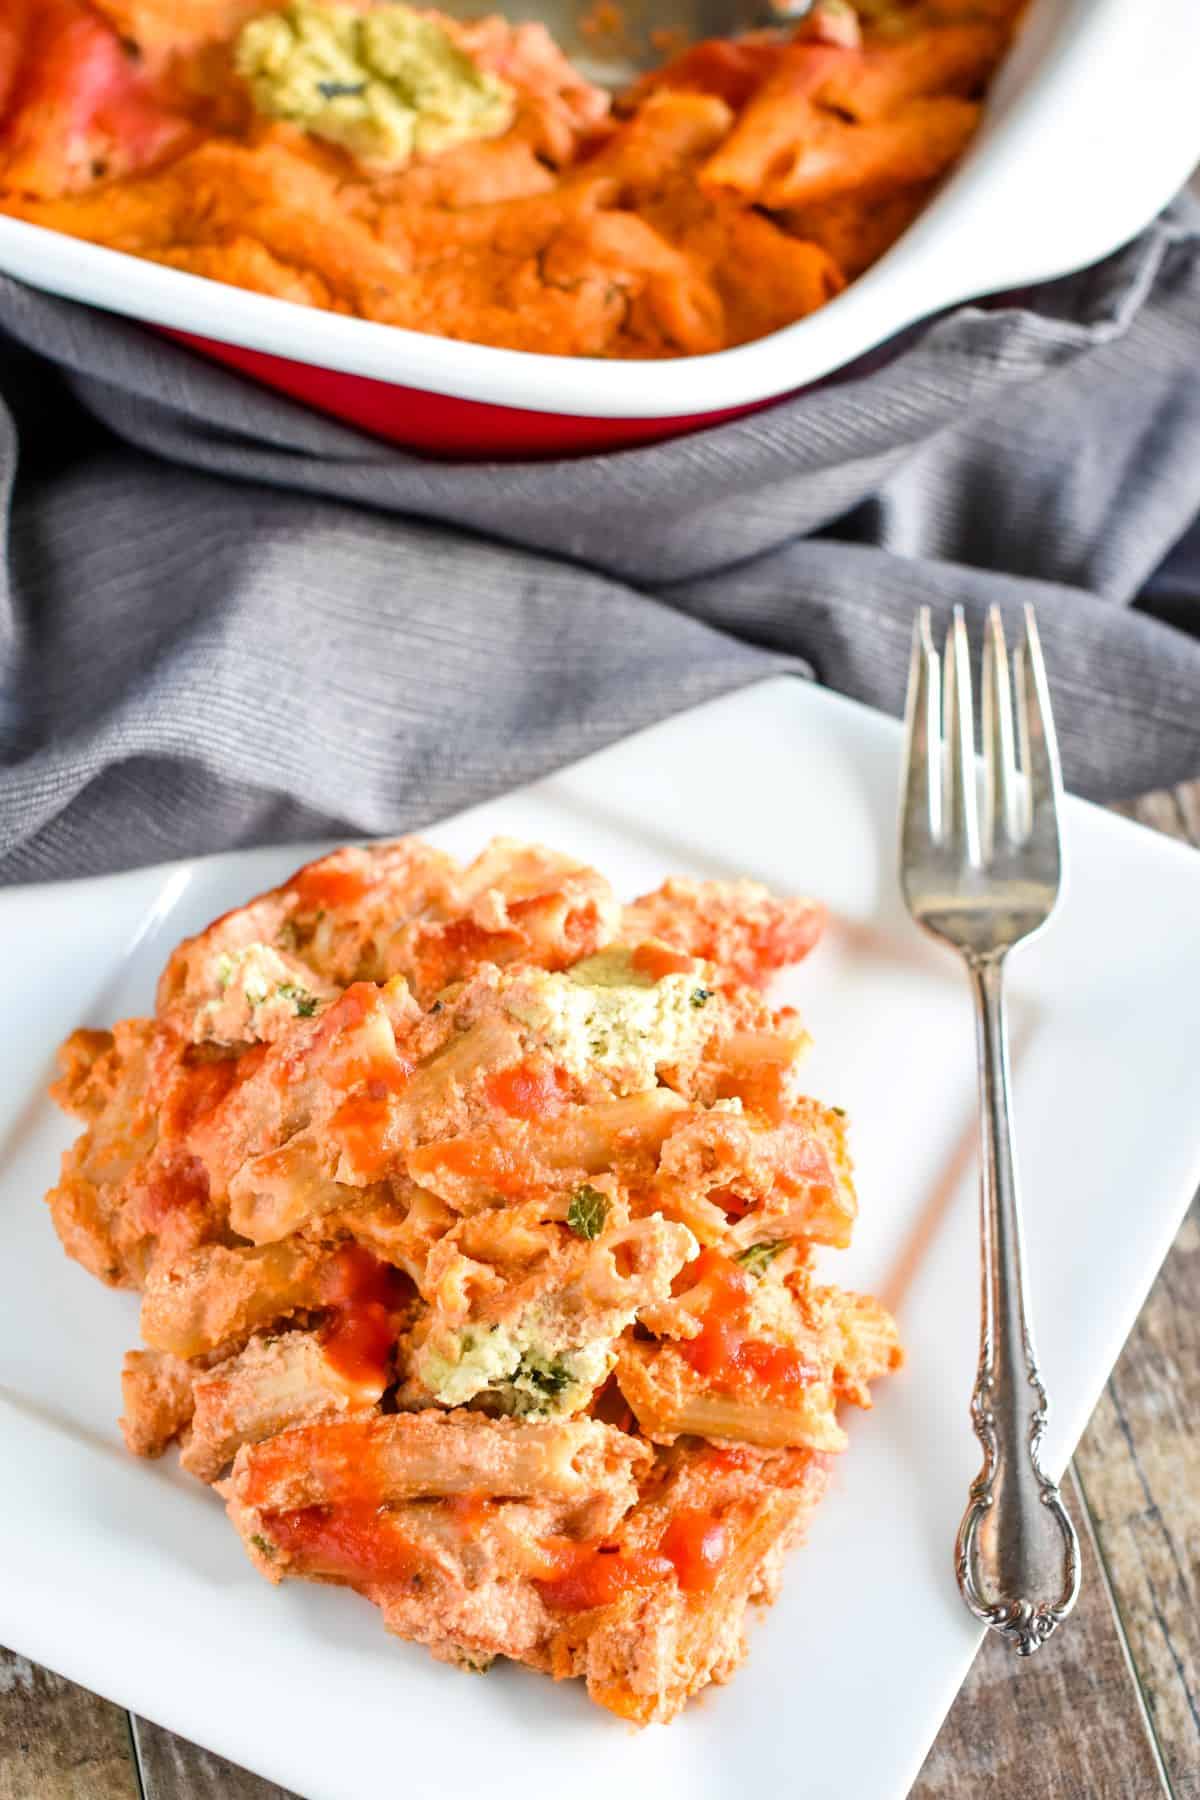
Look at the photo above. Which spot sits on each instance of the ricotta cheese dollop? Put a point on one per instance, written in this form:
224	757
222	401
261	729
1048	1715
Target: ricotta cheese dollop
384	85
600	1017
516	1364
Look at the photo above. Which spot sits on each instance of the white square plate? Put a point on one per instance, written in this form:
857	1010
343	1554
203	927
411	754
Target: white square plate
126	1577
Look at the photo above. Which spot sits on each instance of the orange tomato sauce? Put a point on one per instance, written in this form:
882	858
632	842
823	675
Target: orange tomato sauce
321	889
724	1353
356	1542
589	1574
480	1159
656	960
365	1296
193	1091
579	1576
528	1090
179	1180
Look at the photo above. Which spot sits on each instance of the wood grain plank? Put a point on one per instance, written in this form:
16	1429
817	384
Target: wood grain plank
1064	1725
174	1769
1139	1460
1140	1466
1188	800
57	1741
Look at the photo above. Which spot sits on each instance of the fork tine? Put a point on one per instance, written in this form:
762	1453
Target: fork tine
1039	746
921	782
1000	824
960	820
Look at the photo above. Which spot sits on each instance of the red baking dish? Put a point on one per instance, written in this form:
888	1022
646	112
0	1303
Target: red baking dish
1050	184
443	424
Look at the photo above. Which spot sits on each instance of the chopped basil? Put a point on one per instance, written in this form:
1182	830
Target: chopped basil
839	1110
549	1378
587	1212
701	996
262	1546
756	1258
304	1004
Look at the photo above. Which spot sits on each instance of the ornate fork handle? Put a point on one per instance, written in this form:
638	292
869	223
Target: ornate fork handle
1017	1556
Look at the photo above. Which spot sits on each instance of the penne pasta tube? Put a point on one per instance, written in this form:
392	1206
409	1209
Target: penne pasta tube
273	1385
954	58
216	1296
668	1403
516	1158
738	925
913	145
157	1391
856	229
492	1043
283	1190
410	1455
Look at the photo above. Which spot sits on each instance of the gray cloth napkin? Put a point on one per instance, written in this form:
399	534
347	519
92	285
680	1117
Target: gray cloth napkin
227	620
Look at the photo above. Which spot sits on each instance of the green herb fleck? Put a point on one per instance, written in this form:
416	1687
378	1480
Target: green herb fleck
262	1546
333	90
587	1212
285	937
303	1003
549	1378
758	1256
701	996
839	1110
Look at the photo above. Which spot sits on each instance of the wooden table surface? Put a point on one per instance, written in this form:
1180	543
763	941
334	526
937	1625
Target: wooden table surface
1108	1710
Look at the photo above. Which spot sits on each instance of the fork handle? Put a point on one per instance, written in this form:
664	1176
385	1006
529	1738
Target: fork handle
1017	1556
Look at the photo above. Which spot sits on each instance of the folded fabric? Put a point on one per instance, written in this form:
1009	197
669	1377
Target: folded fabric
225	619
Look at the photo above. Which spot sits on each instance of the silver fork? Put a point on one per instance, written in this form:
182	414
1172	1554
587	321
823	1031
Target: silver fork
983	878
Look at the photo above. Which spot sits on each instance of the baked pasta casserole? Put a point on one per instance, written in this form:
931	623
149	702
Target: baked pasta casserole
466	180
474	1216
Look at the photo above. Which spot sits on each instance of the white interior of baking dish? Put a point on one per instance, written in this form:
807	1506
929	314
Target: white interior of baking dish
1092	125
